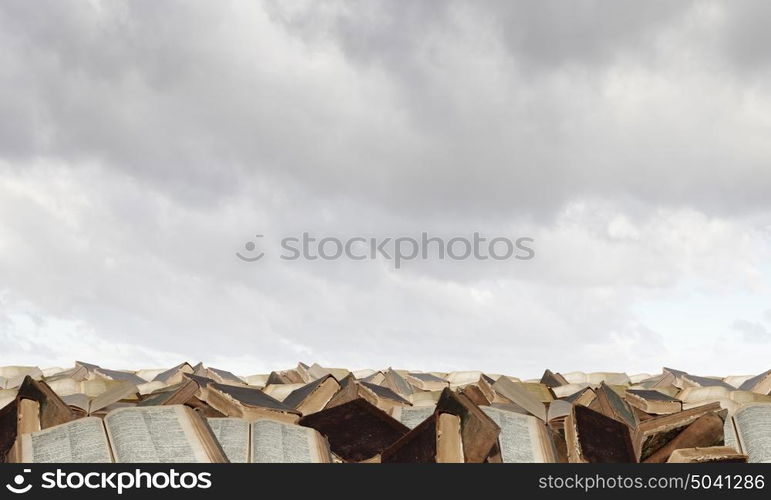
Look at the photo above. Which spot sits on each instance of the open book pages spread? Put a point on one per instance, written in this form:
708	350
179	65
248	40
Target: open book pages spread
192	413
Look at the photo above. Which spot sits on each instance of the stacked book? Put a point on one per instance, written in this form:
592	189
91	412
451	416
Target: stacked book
310	413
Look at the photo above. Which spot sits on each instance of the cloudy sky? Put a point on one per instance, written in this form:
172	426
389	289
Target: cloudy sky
142	144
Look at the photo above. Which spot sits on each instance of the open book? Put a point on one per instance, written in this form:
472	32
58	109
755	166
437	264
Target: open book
159	434
711	454
523	438
93	404
412	416
269	441
518	394
750	431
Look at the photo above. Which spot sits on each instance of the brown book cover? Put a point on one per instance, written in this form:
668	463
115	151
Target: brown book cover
705	431
478	431
551	379
593	437
611	405
313	396
53	411
297	396
8	416
417	446
356	430
250	397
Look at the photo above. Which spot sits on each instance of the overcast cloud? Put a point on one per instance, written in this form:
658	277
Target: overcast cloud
143	143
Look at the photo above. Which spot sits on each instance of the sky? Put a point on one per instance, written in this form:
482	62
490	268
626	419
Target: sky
143	144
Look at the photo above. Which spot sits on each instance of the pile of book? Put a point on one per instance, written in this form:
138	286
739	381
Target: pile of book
315	414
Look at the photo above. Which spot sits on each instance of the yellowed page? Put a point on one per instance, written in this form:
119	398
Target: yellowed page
233	436
158	434
276	442
79	441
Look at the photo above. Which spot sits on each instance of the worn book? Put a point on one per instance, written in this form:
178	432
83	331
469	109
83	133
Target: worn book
707	455
118	375
378	395
175	375
281	391
475	394
750	431
426	382
177	394
12	376
652	401
269	441
552	379
479	433
461	378
161	434
317	371
610	404
558	411
518	394
654	433
396	382
523	438
596	438
219	375
435	440
247	402
91	405
584	396
683	380
356	430
705	431
51	409
93	387
760	384
313	396
286	377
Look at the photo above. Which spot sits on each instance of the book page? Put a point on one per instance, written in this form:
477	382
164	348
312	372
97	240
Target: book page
703	394
80	441
122	390
161	434
412	416
65	386
233	436
519	439
78	401
558	409
729	434
274	442
753	425
518	394
6	396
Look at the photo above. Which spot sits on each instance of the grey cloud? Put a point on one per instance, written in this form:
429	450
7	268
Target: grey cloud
538	35
752	331
186	97
745	41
